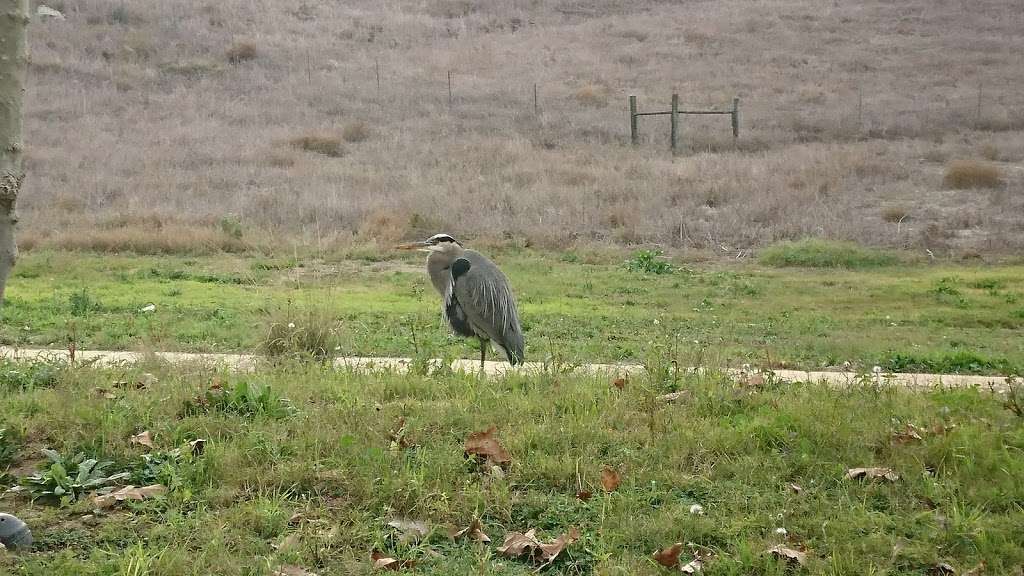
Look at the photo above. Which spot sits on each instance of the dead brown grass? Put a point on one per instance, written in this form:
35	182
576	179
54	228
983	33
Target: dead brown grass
164	124
964	174
592	95
241	51
356	131
326	144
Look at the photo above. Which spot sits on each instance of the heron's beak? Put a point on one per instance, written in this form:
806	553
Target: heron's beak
412	246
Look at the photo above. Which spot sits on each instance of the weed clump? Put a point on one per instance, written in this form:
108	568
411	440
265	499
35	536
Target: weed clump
68	478
813	253
325	144
593	96
302	335
39	373
649	262
357	131
243	399
966	174
241	52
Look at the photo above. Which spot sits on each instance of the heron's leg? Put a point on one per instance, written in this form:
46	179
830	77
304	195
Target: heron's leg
483	353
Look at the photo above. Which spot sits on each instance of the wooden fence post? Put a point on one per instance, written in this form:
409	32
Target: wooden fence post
634	133
536	104
735	117
449	88
675	121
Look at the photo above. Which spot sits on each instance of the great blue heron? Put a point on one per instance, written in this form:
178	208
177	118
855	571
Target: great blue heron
478	301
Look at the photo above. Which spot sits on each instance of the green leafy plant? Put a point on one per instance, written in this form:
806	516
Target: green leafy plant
243	398
31	374
67	479
81	303
650	262
163	467
7	448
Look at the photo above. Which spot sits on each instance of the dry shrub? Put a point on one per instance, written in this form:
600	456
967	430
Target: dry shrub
355	131
141	239
326	144
895	214
241	52
990	152
964	174
302	334
385	225
592	95
279	159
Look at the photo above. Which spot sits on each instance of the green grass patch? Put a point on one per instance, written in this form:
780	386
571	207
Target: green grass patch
812	253
574	309
319	488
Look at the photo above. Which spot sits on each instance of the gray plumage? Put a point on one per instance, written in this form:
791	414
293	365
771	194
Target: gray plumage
477	301
14	533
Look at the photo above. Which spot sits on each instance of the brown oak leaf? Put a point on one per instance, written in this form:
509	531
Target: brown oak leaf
143	439
790	554
382	562
669	557
129	493
610	479
475	531
485	445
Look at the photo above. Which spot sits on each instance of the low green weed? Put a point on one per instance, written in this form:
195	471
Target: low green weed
813	253
31	374
68	478
243	398
649	262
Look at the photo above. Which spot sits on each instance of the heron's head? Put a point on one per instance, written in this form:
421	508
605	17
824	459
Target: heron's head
436	243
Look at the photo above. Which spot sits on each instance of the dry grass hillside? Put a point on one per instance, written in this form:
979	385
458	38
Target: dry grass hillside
186	125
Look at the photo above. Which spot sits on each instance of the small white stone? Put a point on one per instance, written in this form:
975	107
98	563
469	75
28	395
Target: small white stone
781	531
697	509
291	324
148	308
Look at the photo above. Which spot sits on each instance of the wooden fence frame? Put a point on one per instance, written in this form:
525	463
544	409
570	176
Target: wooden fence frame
674	112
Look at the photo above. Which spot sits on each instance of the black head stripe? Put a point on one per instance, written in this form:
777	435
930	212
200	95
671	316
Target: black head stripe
459	268
440	238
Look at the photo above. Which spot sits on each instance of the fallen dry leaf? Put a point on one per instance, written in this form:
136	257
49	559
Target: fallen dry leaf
399	436
296	519
692	567
517	544
754	380
909	435
795	488
103	392
943	569
610	479
289	543
552	549
619	383
143	439
485	445
412	530
977	570
475	531
382	562
584	495
872	474
198	446
941	429
290	570
669	557
129	493
789	554
672	396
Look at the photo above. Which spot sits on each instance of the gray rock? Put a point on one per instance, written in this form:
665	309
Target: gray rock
14	533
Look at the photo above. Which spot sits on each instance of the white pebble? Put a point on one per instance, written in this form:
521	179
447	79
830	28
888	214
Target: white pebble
696	509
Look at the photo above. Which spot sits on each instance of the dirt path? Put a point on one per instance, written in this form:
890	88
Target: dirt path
250	362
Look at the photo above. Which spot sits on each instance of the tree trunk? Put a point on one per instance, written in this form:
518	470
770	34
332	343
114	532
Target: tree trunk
13	68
